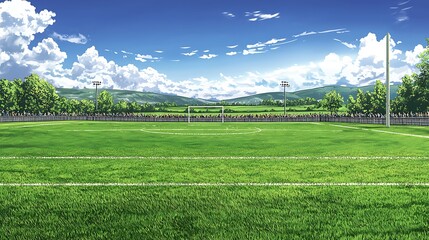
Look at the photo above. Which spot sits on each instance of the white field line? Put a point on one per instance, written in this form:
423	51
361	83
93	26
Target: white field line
381	131
220	157
250	184
166	132
37	125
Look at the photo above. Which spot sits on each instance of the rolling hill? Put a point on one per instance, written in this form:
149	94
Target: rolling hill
316	93
140	97
143	97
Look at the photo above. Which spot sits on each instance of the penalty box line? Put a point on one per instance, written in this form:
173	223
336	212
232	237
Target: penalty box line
218	158
252	184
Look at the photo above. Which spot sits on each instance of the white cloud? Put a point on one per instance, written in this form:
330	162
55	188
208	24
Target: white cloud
332	30
125	52
206	51
232	46
256	45
189	54
77	39
372	51
338	31
231	53
208	56
259	16
304	34
349	45
159	51
273	41
107	50
252	51
19	24
228	14
412	57
186	47
116	53
341	32
401	11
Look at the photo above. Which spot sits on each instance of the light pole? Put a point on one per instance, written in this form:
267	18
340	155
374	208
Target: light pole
284	84
96	84
387	81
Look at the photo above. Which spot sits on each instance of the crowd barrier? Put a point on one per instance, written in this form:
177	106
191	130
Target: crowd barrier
418	121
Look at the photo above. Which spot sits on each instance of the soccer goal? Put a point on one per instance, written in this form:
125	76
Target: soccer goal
193	107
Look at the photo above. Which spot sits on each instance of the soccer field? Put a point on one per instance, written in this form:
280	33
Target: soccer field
104	180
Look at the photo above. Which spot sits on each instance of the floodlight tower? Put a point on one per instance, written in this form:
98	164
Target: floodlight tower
284	84
96	84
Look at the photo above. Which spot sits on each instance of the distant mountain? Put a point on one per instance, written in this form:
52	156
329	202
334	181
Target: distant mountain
140	97
316	93
143	97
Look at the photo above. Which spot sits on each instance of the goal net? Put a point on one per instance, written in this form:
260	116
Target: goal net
191	109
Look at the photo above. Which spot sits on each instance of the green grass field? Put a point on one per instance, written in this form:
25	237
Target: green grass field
120	180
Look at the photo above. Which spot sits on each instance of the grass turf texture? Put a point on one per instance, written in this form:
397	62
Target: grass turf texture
184	153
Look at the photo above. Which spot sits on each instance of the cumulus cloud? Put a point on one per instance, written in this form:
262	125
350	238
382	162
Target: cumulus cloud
259	16
412	57
349	45
19	23
77	39
208	56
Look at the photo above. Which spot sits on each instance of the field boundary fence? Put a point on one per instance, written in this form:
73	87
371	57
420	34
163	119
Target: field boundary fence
417	121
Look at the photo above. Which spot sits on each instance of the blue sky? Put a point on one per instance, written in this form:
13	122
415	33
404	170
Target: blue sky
210	49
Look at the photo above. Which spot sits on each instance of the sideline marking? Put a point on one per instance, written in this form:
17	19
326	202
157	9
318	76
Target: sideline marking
251	184
380	131
223	157
35	125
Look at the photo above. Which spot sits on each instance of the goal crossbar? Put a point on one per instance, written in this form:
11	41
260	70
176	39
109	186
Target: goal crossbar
190	107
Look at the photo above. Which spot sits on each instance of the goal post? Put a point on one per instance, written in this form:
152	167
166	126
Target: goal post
222	112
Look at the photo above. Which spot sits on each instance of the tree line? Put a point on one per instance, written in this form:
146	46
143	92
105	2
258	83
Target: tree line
36	96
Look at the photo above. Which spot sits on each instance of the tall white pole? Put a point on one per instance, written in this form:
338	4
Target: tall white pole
387	80
189	114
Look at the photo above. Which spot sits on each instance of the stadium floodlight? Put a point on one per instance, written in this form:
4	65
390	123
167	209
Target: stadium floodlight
96	84
387	81
284	84
190	107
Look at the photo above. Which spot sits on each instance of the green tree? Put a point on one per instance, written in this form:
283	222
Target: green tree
38	95
332	101
105	102
121	107
8	96
413	94
86	106
378	98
